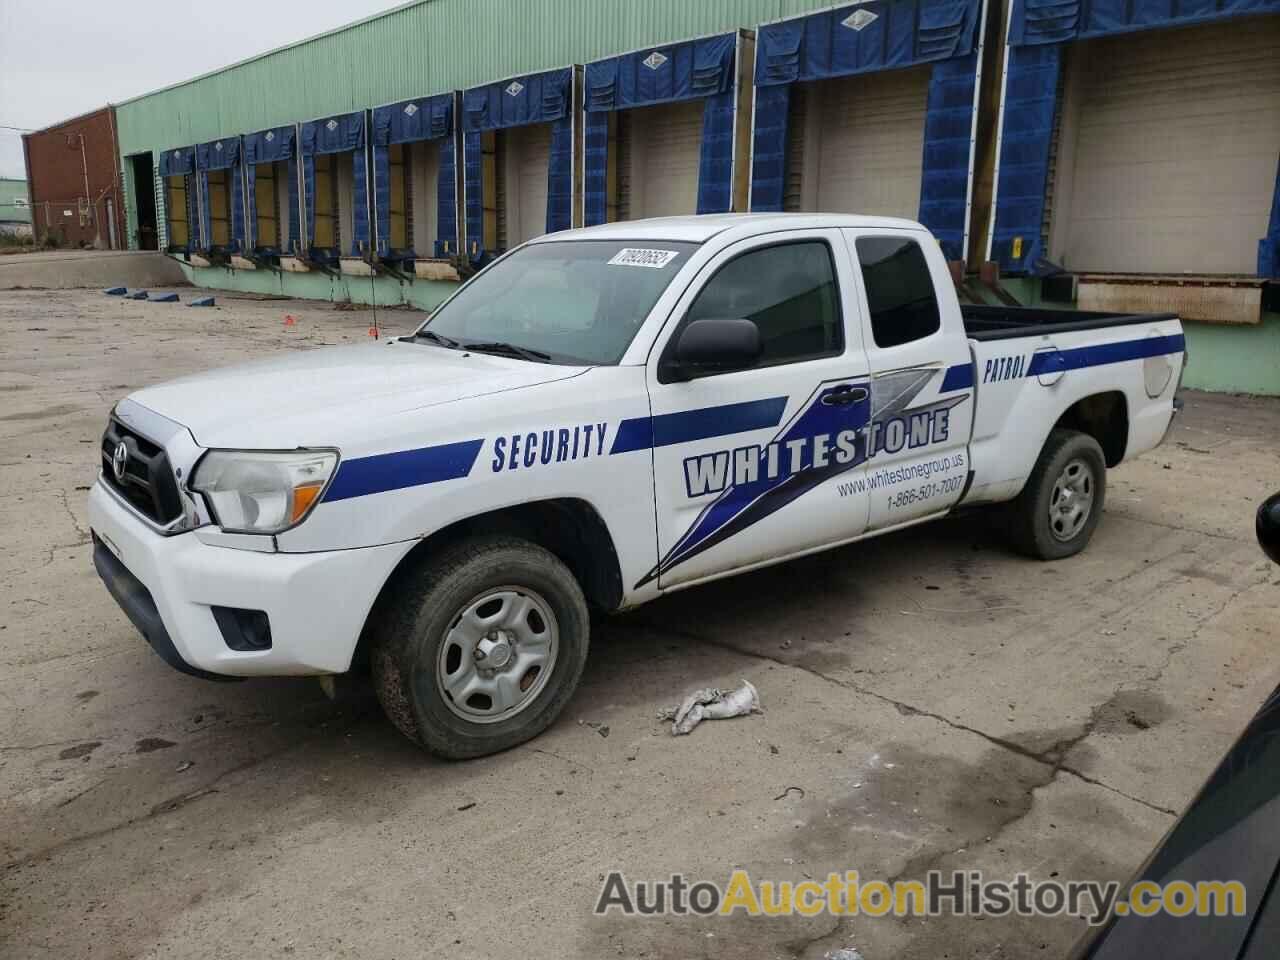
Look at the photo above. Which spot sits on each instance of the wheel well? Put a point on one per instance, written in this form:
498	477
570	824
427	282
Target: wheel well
1103	416
570	528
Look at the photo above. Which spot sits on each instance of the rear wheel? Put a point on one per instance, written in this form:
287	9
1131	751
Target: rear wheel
1058	509
483	647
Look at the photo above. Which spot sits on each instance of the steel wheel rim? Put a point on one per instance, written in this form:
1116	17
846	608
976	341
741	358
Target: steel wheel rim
1071	501
498	652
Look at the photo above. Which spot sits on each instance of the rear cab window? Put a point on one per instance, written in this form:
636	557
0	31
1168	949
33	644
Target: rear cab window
901	301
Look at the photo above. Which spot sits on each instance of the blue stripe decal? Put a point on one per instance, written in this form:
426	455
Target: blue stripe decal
958	377
405	468
1078	358
641	433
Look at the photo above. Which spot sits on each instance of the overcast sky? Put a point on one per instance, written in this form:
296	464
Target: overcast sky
59	58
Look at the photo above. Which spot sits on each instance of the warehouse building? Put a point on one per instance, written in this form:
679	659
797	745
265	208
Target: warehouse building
73	173
15	210
1116	154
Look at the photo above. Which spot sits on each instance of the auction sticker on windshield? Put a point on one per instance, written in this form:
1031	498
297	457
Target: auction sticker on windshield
643	257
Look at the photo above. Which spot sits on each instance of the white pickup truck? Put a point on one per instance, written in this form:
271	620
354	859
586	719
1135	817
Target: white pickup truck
597	418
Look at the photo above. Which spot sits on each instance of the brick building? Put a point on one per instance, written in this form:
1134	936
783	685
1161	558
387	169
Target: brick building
73	169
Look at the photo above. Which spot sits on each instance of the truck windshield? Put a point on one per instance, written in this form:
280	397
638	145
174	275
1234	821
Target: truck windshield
566	301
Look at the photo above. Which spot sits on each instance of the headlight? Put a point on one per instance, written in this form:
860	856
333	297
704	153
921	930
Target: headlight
255	492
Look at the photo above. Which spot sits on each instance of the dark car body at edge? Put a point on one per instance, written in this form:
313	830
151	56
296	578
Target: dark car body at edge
1231	831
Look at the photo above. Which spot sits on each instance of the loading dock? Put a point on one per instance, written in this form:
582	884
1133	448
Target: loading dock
1167	150
666	129
181	209
271	194
871	108
220	186
862	145
143	174
658	148
519	159
335	200
415	166
1138	149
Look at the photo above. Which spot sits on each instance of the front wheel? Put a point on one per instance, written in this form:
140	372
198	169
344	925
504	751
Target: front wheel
1058	509
482	648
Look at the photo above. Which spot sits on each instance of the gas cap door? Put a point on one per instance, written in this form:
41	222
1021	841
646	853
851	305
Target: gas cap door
1048	364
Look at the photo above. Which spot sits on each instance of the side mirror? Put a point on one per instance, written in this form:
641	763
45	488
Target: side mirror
1268	527
714	346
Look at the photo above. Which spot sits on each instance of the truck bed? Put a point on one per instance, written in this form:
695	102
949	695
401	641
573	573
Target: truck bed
1003	323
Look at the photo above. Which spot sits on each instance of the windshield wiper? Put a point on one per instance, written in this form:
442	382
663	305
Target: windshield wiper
434	338
509	349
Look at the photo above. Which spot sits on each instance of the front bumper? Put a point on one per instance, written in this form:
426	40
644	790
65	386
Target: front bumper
316	603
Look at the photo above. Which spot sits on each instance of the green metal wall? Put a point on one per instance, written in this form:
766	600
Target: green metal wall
11	190
378	291
423	48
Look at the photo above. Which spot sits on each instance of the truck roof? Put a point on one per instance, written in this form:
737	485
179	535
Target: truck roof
698	229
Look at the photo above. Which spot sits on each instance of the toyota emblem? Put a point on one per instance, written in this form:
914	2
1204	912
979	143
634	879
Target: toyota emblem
118	460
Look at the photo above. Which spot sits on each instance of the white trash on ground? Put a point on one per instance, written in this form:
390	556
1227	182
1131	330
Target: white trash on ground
711	703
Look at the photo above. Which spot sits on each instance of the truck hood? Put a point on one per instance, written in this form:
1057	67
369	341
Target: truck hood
300	399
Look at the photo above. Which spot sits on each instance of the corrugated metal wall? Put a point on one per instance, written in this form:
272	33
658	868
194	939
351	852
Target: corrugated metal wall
421	48
427	47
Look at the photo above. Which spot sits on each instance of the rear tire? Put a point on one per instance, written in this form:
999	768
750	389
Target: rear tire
481	648
1059	508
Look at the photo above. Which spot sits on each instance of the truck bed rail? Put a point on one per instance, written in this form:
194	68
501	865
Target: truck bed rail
1003	323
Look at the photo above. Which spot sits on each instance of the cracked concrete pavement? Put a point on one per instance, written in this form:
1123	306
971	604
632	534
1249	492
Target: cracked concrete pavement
941	703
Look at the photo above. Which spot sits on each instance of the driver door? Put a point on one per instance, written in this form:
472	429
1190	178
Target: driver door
757	464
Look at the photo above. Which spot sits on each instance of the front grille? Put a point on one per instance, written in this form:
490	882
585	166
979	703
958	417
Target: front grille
148	482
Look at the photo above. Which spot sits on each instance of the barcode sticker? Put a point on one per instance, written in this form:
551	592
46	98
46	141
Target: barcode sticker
643	257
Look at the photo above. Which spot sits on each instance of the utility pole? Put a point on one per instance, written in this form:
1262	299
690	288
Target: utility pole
88	198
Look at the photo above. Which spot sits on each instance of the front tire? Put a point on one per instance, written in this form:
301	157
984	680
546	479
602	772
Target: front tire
1059	508
482	648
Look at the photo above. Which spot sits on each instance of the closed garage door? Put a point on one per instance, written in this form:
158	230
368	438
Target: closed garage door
864	144
1175	136
527	154
424	184
662	151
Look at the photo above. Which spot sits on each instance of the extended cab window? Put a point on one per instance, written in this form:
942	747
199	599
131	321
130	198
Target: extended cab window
899	290
577	301
788	291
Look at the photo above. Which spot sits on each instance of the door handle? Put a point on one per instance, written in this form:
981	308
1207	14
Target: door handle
844	396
